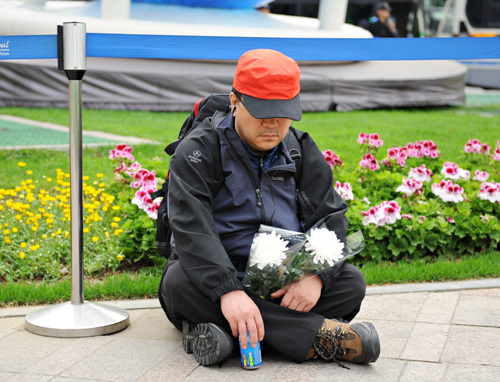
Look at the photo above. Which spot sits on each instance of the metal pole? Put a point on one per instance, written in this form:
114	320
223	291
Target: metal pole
78	318
76	144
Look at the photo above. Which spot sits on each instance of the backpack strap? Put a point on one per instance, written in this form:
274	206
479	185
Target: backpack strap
295	152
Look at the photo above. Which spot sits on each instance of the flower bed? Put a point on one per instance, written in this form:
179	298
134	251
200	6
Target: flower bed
410	203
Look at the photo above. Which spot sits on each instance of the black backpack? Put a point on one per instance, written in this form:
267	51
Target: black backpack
205	108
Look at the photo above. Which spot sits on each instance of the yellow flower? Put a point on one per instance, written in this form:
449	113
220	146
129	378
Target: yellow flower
86	230
21	164
24	245
118	232
114	225
100	175
116	208
34	228
22	255
66	233
7	240
119	257
102	185
85	177
14	229
58	232
33	248
18	217
44	236
116	219
49	179
95	239
29	172
6	231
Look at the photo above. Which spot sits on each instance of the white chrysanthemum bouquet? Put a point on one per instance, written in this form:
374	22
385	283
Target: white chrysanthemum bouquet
279	257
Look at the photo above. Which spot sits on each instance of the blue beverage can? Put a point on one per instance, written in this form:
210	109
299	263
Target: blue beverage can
251	358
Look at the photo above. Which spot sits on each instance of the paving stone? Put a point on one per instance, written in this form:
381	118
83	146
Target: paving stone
175	367
123	359
30	378
10	325
393	336
67	356
477	311
471	373
230	370
6	376
389	307
472	345
384	370
153	325
25	349
482	292
439	308
426	342
299	372
423	371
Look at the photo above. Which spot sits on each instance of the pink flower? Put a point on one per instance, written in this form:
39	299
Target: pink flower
450	220
490	191
123	151
410	187
452	171
332	158
421	173
448	191
388	212
474	146
407	216
120	169
481	175
371	140
369	161
344	190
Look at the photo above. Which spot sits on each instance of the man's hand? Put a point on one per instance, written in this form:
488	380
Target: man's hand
301	295
242	314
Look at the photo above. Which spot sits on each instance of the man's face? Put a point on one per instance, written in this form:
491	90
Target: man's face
260	135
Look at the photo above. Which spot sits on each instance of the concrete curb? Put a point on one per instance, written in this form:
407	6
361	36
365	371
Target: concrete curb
20	311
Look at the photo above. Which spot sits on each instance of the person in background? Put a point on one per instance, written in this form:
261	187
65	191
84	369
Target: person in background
383	24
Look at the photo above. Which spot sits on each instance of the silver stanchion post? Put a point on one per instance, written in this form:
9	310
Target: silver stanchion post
76	318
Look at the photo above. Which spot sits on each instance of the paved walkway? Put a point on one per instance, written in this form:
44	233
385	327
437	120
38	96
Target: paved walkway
429	332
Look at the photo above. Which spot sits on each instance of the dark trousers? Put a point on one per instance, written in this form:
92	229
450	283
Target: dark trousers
288	331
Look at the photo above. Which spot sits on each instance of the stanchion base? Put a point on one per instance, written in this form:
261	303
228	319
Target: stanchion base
77	320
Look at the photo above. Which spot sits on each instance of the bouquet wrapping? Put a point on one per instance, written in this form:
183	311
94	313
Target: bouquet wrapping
279	257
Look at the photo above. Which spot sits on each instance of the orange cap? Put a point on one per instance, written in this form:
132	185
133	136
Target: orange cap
270	82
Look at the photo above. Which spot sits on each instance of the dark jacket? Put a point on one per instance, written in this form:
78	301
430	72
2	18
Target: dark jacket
193	184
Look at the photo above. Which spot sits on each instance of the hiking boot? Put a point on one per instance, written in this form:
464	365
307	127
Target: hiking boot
209	342
357	343
188	329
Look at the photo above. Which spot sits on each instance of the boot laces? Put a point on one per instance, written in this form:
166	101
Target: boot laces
327	345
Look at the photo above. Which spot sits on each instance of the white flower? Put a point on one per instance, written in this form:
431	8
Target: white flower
324	245
267	249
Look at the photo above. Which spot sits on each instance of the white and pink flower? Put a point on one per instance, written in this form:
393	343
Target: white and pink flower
452	171
388	212
490	191
344	190
482	176
421	173
410	187
371	140
369	161
448	191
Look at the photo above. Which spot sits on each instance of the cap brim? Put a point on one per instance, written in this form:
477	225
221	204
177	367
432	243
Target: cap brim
273	108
